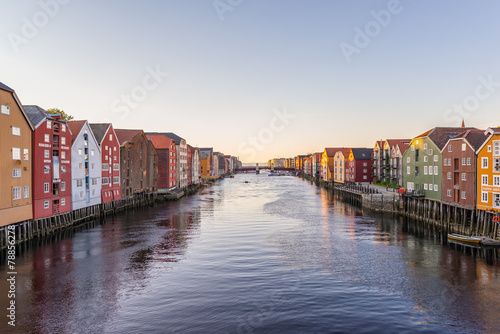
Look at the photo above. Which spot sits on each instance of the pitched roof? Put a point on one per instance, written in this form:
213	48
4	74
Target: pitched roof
330	151
440	136
126	135
36	114
170	135
379	143
475	137
362	153
99	130
5	87
75	127
160	141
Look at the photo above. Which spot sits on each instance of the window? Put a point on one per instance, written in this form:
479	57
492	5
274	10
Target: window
364	177
105	157
496	147
425	146
484	162
63	186
436	158
46	204
464	196
46	169
110	137
46	138
435	187
105	180
91	153
46	154
448	192
79	151
79	182
116	179
484	197
496	200
114	158
436	170
16	153
16	172
489	148
116	166
464	177
26	154
16	131
105	166
425	158
49	124
426	170
484	179
26	191
449	175
431	170
430	151
106	147
426	186
63	155
5	110
63	127
364	164
63	140
449	148
46	187
16	193
63	169
94	181
413	148
80	166
114	149
464	147
63	201
496	180
468	161
464	161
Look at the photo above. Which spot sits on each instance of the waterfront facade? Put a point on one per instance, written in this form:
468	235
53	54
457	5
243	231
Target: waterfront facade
488	172
339	164
358	167
110	157
327	163
138	163
51	153
380	154
316	164
166	149
397	148
85	166
196	166
458	185
206	159
422	164
16	132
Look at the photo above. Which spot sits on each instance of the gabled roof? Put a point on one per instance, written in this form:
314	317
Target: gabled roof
207	150
330	151
99	130
170	135
126	135
362	153
440	136
203	155
160	141
75	128
474	137
37	115
379	143
14	95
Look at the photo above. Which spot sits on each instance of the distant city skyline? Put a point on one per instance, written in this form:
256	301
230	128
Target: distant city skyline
259	79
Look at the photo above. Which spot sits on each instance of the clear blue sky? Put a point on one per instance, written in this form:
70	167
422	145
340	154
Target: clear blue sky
228	78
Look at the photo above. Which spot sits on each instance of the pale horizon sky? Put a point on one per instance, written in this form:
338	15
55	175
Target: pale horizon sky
344	73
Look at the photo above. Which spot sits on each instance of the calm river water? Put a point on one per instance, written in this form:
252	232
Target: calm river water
275	255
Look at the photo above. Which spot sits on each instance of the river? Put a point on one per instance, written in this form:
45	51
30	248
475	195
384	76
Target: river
275	255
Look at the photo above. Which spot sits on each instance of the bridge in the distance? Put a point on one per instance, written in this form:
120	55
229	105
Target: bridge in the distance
253	168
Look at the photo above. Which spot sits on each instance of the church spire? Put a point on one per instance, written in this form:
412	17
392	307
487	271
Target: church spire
463	123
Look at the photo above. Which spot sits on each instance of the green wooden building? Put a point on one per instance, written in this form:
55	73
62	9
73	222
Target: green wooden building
422	165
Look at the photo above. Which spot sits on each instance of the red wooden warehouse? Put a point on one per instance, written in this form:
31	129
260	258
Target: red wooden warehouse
167	156
110	155
358	167
51	163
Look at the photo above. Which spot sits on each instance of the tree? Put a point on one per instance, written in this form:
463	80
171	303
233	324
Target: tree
64	116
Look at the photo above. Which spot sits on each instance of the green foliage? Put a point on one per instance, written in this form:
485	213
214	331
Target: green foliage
64	116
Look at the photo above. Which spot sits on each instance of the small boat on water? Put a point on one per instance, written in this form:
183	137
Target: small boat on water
465	239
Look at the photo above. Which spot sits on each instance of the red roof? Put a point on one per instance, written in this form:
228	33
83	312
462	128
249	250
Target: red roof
330	151
160	141
401	143
75	127
440	136
125	135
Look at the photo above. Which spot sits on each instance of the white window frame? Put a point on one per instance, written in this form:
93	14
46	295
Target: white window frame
436	170
484	162
16	193
26	191
46	187
16	153
436	188
464	176
484	179
16	131
448	192
49	124
464	195
484	197
16	172
46	205
46	137
5	109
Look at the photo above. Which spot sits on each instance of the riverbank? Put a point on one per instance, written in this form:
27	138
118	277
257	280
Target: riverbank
44	227
454	219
